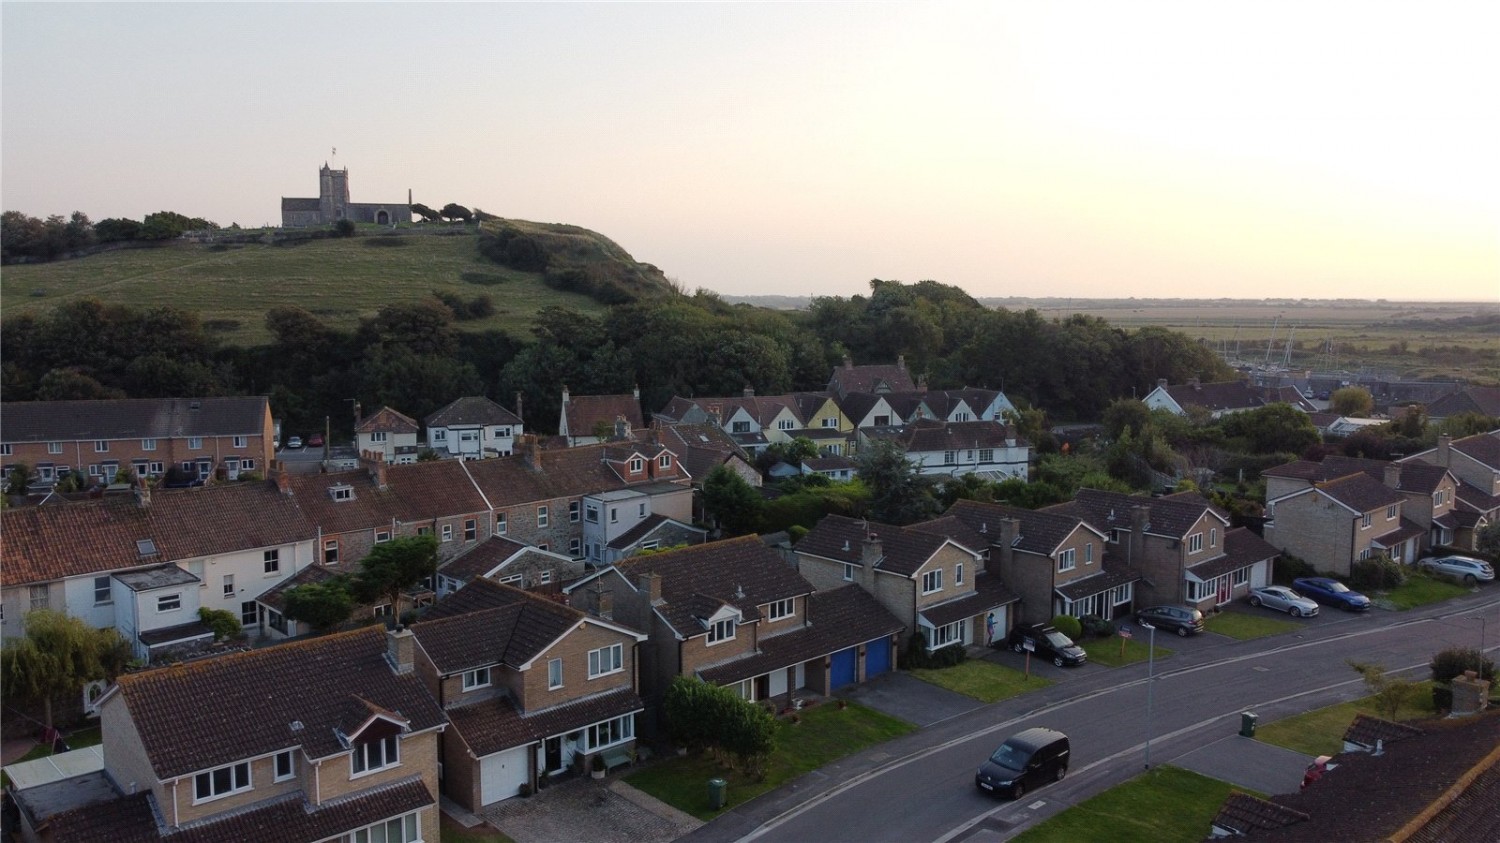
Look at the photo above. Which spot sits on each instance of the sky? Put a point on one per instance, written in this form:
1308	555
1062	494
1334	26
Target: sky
1080	149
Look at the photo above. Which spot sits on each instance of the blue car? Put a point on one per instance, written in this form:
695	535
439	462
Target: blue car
1331	592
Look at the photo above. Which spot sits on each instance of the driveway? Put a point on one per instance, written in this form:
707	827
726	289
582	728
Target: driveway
905	697
597	810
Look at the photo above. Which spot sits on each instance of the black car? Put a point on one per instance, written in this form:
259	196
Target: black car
1047	642
1026	760
1182	620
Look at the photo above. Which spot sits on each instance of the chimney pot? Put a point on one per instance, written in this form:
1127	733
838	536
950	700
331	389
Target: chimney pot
401	649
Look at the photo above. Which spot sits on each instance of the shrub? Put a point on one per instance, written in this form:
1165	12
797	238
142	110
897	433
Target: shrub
1097	627
223	623
343	228
1289	567
1450	663
1069	626
1378	573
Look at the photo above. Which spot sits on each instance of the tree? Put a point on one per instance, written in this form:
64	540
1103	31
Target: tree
898	494
699	716
1273	429
223	623
731	502
426	213
58	656
1487	540
394	566
19	478
117	229
1351	401
1389	690
321	605
791	452
1411	424
454	211
344	228
72	385
1126	414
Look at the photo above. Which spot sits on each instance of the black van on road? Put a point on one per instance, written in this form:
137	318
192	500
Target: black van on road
1026	760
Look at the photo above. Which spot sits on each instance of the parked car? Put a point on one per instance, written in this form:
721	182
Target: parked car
1183	620
1331	592
1283	599
1466	568
294	443
1047	642
1026	760
315	440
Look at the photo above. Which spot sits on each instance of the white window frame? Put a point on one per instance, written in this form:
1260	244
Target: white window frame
781	609
721	631
958	574
1241	576
610	733
606	660
271	562
1067	560
500	524
554	674
228	585
1088	553
103	596
932	581
40	595
101	446
471	529
382	536
477	678
574	511
234	771
195	443
665	461
848	572
330	551
291	766
637	465
946	635
147	445
360	760
1365	520
986	455
54	447
447	532
161	603
1195	543
341	493
239	442
543	518
406	828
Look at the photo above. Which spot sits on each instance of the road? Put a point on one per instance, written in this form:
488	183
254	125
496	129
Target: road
921	787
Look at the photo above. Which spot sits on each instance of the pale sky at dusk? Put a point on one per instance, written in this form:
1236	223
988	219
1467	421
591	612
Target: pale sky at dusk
1148	149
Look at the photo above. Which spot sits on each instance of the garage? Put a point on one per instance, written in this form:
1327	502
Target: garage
877	658
841	671
502	774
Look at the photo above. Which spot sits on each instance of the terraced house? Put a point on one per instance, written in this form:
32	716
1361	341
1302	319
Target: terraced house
1474	462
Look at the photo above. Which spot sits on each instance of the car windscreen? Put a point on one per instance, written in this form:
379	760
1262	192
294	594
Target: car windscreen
1009	757
1058	640
1336	587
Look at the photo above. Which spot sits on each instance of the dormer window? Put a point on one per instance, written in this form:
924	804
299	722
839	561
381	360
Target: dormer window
221	782
369	756
341	493
665	462
781	609
637	465
720	631
474	679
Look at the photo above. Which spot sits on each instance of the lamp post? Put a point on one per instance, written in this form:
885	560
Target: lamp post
1150	682
1479	618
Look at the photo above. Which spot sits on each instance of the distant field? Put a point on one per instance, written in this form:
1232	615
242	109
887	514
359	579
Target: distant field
232	287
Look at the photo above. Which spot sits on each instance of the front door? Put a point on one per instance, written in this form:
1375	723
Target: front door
554	754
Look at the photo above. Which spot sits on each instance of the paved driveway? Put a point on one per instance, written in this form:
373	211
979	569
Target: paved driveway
907	698
599	811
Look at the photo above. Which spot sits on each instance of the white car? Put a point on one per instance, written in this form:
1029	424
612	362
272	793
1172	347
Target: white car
294	443
1466	568
1283	599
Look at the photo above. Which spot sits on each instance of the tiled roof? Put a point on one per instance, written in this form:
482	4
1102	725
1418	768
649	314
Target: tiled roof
951	436
909	406
1360	493
482	558
1407	530
829	464
273	596
1242	549
1483	448
1484	400
1223	395
696	580
584	412
1420	478
470	411
511	634
1244	813
1172	516
903	550
955	529
56	541
810	403
1111	574
295	204
495	724
1367	730
1041	532
386	420
334	677
857	405
1476	499
677	409
763	408
565	472
989	593
417	492
648	526
837	619
133	418
878	378
291	818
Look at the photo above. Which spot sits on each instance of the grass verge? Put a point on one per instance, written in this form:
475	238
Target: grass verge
1244	625
1419	590
825	734
984	681
1164	805
1321	731
1108	652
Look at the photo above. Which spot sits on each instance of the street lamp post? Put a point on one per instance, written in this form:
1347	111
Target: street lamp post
1479	618
1150	683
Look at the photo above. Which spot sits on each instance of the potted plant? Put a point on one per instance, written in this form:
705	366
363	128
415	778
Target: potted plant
598	766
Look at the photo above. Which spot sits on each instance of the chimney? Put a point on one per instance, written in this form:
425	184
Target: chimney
848	362
519	414
565	395
283	480
635	392
622	428
901	361
400	649
1194	383
1444	453
870	552
748	391
1161	382
1140	520
1393	475
649	584
374	463
997	564
359	414
1471	694
531	448
142	493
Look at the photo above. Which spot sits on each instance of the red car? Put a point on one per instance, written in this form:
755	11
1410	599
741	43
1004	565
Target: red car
315	440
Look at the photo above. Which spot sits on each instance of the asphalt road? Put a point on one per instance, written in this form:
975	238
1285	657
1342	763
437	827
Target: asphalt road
921	788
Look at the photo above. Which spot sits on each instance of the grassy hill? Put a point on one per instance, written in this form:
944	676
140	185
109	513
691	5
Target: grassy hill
232	285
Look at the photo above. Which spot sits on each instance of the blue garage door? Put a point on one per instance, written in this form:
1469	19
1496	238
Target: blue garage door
842	672
877	658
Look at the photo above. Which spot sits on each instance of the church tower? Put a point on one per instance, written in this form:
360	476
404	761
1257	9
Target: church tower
333	193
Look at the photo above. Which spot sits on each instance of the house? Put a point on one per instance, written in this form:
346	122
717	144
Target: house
849	378
391	434
733	613
474	428
590	419
334	737
967	404
869	410
209	437
509	562
1334	523
1181	544
529	685
755	422
931	577
1484	400
1218	399
1429	493
701	448
1474	462
838	469
950	449
1054	562
68	556
616	521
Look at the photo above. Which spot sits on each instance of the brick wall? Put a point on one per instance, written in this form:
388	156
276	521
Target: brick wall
574	650
1030	576
262	773
460	771
1320	531
947	560
419	754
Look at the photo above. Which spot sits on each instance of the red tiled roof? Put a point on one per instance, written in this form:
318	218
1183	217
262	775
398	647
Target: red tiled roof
417	492
585	412
877	378
565	472
386	420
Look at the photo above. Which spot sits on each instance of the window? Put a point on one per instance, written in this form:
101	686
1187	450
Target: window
471	529
239	441
276	621
575	547
785	424
740	427
544	577
499	523
101	446
1195	542
1364	521
1066	560
950	457
271	561
781	609
342	493
249	616
591	513
606	660
637	465
447	532
286	766
882	421
554	674
511	579
932	581
986	455
93	469
665	461
1241	576
403	829
942	636
614	515
477	679
958	574
848	572
229	585
169	602
1365	554
382	610
377	436
369	756
221	782
640	510
424	531
573	507
382	536
196	569
831	422
154	468
54	447
1213	537
440	434
195	442
541	516
1088	553
331	552
610	732
721	631
102	595
962	416
1390	512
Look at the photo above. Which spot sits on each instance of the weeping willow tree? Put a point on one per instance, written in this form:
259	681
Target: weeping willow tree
58	656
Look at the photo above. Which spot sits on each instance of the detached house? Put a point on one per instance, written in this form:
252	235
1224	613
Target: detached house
391	434
332	738
1474	463
949	449
531	687
1332	524
1219	399
474	428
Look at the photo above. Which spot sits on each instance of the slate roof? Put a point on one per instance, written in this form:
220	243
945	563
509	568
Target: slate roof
1475	399
416	492
697	580
133	418
471	411
648	526
584	412
495	724
565	472
1407	530
482	558
60	540
955	529
1041	532
290	818
518	628
1242	549
1367	730
1111	573
1476	499
1219	396
678	409
1420	478
952	436
300	204
810	403
837	619
989	593
386	420
857	405
1172	516
903	550
336	678
1360	493
849	378
1483	448
763	408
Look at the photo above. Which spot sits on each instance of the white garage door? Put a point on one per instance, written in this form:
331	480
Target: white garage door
502	774
778	682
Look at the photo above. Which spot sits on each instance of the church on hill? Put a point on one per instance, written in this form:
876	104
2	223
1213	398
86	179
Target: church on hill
333	205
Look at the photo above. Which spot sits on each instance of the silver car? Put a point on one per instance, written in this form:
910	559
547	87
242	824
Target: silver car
1466	568
1283	599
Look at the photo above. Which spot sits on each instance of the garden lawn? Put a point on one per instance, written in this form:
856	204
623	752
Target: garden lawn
1419	590
984	681
1164	805
825	734
1244	625
1321	731
1106	651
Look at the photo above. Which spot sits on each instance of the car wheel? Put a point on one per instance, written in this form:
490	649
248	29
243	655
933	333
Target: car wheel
1470	581
1061	772
1181	632
1019	791
1294	611
1254	601
1017	647
1057	660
